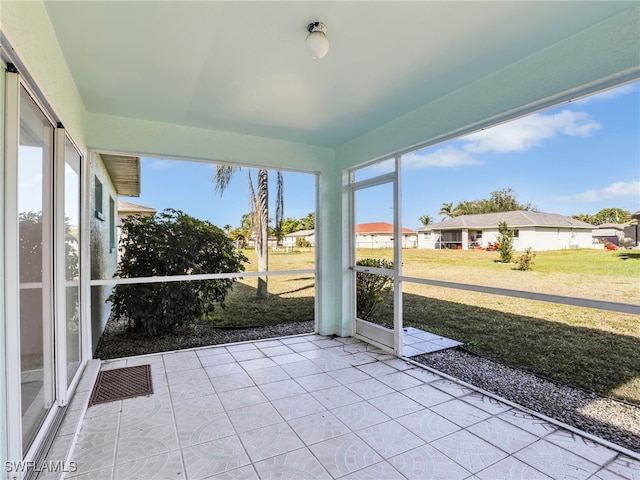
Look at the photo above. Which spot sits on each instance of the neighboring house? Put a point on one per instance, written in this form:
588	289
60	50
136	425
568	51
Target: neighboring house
290	239
127	209
620	234
272	242
380	235
536	230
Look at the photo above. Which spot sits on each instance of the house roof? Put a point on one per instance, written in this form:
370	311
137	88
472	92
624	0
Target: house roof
611	226
379	227
515	219
301	233
128	207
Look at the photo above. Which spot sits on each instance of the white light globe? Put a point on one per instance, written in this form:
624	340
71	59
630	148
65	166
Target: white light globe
317	44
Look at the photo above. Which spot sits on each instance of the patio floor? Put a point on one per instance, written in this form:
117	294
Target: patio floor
310	407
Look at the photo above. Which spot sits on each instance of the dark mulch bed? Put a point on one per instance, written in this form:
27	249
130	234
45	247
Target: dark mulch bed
118	341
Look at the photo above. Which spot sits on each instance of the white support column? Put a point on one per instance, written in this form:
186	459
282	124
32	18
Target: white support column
332	262
465	239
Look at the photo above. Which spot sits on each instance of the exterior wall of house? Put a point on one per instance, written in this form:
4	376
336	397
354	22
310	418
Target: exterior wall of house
544	238
291	239
104	257
538	238
384	240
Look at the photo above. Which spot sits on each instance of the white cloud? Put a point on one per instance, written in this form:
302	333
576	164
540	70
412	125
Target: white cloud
530	131
615	190
518	135
443	157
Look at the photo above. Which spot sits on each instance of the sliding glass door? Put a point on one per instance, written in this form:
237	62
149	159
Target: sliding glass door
35	261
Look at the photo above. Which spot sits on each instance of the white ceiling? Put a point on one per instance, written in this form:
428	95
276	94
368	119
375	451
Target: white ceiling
241	66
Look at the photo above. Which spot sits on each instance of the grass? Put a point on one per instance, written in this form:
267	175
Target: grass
593	349
291	298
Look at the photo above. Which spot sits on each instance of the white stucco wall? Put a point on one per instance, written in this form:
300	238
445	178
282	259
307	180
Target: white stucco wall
104	259
536	238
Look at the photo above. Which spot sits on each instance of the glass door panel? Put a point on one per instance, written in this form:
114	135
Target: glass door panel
71	258
35	156
373	214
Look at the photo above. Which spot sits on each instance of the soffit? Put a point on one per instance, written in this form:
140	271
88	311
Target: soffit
124	172
241	66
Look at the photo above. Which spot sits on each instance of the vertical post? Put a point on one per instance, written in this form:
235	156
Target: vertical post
59	278
13	405
397	259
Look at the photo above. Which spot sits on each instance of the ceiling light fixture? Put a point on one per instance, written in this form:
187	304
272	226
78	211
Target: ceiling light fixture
317	43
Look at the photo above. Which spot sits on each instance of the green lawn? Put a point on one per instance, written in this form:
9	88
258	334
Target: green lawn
594	349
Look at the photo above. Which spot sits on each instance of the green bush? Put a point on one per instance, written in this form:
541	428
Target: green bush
525	260
171	243
372	289
302	242
506	242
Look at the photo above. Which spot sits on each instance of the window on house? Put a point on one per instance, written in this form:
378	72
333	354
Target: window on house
112	224
98	196
516	233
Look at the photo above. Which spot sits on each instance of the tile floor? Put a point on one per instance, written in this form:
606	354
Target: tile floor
312	407
416	342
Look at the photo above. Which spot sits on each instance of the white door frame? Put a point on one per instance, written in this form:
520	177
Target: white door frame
379	336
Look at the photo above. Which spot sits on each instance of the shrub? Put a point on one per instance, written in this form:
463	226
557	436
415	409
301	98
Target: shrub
371	288
506	242
302	242
171	243
525	260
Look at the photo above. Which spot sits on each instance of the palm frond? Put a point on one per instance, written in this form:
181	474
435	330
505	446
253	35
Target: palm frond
223	176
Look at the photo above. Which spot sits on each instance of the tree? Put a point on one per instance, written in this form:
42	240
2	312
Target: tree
502	200
447	210
611	215
506	200
506	242
171	243
308	222
606	215
585	217
259	214
290	225
426	220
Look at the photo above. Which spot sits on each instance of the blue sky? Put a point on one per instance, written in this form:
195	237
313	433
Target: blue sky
578	157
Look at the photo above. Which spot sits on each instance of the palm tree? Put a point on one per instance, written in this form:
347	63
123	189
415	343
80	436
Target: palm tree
447	210
227	229
426	220
259	206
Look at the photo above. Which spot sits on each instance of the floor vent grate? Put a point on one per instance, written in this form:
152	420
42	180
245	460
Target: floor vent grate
121	383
